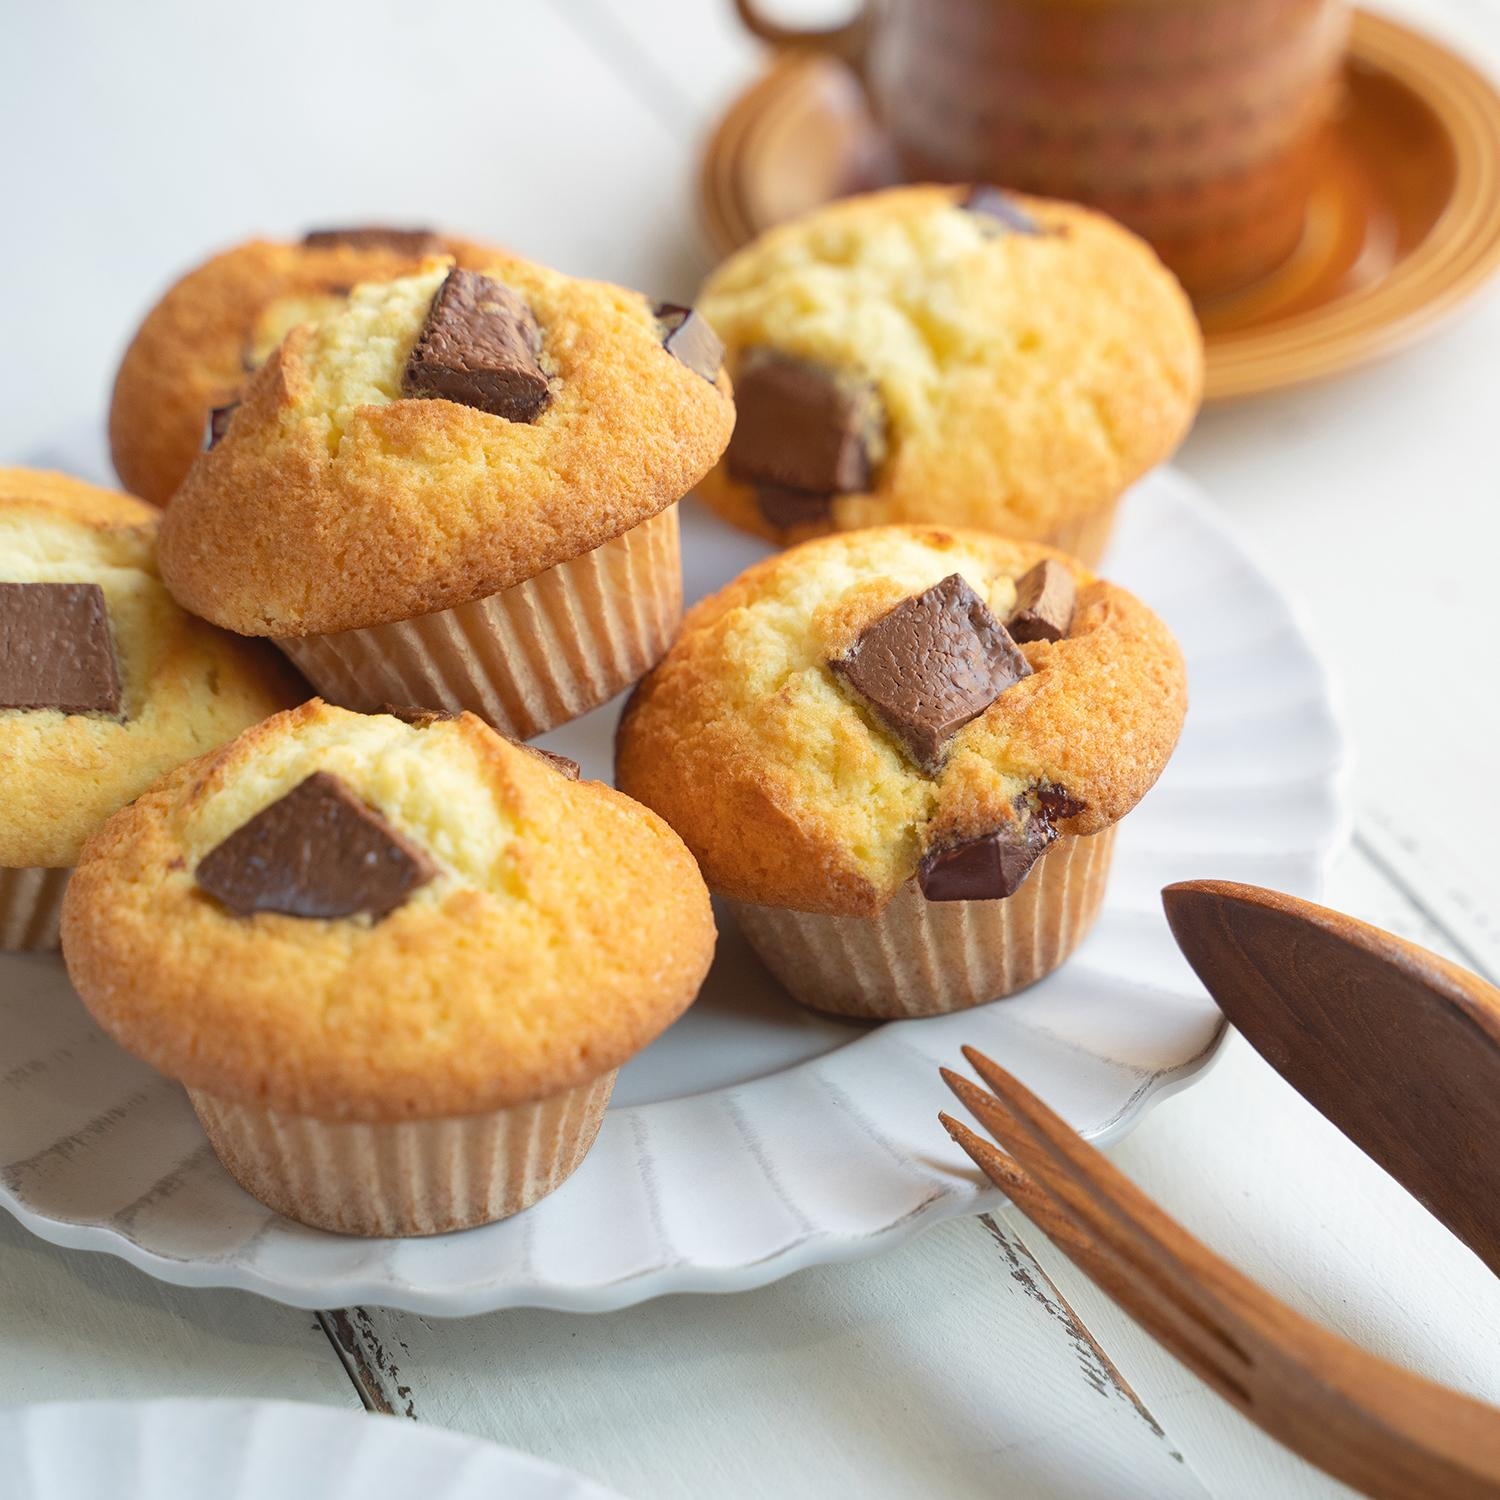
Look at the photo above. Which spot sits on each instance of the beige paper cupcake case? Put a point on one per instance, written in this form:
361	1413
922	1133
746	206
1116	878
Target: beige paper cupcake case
925	958
1085	536
30	907
410	1178
528	658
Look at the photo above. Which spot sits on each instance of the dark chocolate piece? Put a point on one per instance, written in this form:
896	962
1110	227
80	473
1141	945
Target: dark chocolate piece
56	649
559	763
218	424
787	509
1045	598
479	347
420	718
931	665
376	237
990	203
988	868
691	340
1056	803
802	426
992	866
319	851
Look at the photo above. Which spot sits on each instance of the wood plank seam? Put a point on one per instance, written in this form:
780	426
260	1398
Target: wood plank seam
1098	1369
1374	839
371	1368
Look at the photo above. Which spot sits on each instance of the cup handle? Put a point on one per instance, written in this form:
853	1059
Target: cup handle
846	42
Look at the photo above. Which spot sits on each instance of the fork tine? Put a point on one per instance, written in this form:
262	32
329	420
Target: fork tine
1025	1142
1027	1193
990	1111
1010	1177
1069	1177
1030	1120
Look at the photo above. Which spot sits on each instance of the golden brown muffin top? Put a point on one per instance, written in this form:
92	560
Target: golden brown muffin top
565	927
1023	380
197	344
185	686
791	792
334	502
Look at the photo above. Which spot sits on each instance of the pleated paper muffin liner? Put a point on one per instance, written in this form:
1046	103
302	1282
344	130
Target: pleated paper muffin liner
413	1177
1085	536
925	958
30	907
528	658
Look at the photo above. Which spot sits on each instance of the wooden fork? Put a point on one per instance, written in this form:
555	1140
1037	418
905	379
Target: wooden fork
1367	1422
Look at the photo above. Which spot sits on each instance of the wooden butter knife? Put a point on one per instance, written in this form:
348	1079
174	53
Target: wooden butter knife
1397	1047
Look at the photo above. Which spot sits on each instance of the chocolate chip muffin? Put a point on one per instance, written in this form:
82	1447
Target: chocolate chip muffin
951	355
901	755
396	962
104	682
460	491
189	358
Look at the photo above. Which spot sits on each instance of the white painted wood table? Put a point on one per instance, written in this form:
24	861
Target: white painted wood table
973	1360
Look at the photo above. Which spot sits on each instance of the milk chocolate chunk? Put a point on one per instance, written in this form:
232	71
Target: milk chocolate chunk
802	426
479	347
987	868
319	851
991	203
559	763
931	665
424	718
419	718
690	339
218	424
376	237
1045	599
56	650
787	509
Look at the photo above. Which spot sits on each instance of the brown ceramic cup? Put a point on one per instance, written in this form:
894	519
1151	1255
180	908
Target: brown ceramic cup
1197	123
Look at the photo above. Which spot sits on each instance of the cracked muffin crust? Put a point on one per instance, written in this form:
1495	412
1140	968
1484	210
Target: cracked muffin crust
223	319
788	778
1012	364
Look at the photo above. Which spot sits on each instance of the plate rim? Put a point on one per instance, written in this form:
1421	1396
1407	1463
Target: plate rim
531	1465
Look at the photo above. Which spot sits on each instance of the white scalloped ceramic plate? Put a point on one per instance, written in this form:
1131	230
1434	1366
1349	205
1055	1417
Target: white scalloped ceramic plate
258	1450
753	1138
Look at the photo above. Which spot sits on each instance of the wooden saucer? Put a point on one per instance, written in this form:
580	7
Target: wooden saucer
1403	224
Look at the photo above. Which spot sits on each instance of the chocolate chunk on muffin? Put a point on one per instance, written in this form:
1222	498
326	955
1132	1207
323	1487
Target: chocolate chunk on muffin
318	851
479	347
687	337
415	242
56	649
1046	597
936	661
